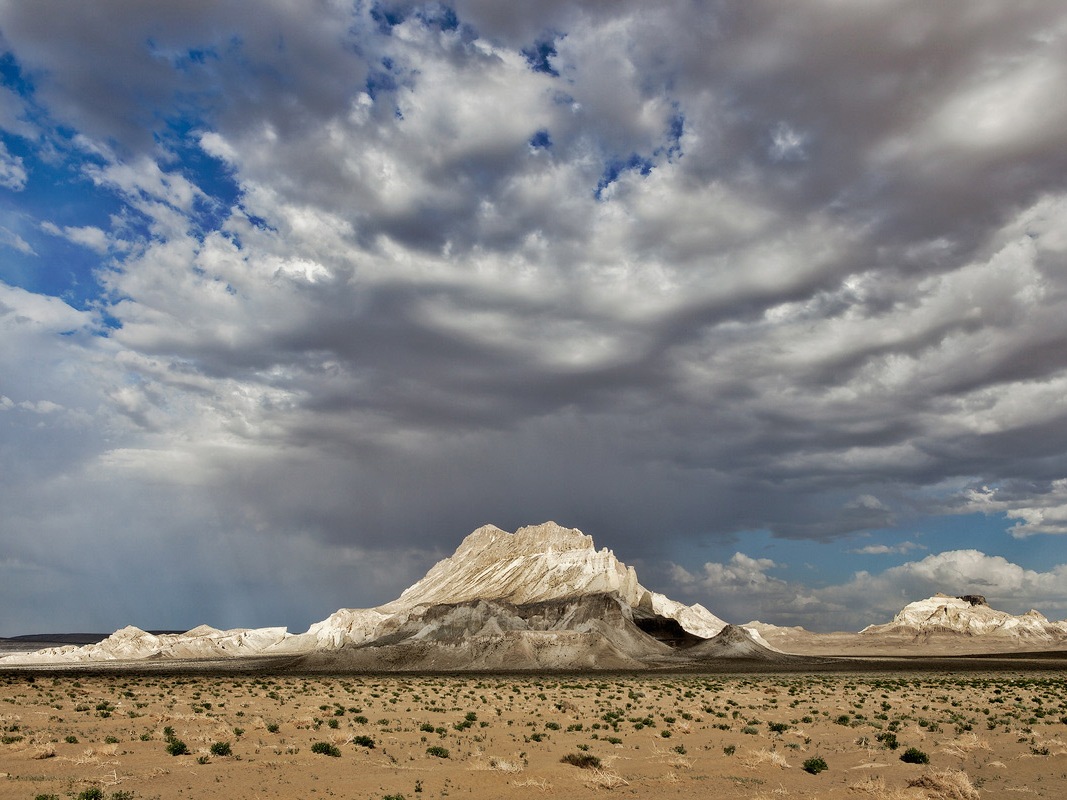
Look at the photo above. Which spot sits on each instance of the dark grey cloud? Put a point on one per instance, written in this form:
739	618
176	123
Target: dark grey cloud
719	269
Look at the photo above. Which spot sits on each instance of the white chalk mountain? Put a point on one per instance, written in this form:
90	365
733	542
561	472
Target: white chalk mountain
540	598
971	616
937	625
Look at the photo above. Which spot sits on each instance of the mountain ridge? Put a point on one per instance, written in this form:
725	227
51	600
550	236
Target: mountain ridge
541	597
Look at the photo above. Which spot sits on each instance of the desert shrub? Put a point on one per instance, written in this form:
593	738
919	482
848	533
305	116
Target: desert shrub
778	727
46	797
326	749
94	793
583	760
889	740
729	750
814	765
272	727
427	727
363	741
437	751
176	747
72	739
751	730
221	749
913	755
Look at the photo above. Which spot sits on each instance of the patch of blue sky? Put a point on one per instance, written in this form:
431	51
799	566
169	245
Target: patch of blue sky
56	194
438	15
387	16
617	166
541	140
675	130
538	56
824	563
211	175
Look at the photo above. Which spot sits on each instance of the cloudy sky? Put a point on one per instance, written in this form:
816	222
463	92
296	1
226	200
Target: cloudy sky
770	299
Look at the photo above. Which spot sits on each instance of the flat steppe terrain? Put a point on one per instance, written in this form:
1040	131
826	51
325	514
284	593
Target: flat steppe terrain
987	733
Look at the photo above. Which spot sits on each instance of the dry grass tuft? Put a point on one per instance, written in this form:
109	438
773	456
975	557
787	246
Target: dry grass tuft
765	756
874	786
42	751
542	784
965	745
602	779
503	765
947	785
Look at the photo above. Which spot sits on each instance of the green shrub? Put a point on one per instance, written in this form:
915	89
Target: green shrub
814	765
326	749
363	741
889	740
92	794
221	749
778	727
437	751
72	739
583	760
914	755
272	727
176	747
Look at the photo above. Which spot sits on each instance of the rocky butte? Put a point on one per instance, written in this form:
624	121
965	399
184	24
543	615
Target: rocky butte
542	597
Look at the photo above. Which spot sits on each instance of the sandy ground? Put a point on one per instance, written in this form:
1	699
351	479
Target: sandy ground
988	734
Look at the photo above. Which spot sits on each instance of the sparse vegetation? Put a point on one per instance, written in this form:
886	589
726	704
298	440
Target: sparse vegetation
913	755
519	727
326	749
582	760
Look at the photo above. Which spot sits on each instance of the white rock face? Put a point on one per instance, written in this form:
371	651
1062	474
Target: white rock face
944	614
537	564
130	644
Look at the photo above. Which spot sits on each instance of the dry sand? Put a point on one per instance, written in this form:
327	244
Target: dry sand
997	734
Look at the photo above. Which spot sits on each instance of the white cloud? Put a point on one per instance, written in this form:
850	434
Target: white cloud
743	591
1037	512
885	549
12	170
11	239
86	235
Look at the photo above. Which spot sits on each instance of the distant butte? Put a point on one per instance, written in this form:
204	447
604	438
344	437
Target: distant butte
544	598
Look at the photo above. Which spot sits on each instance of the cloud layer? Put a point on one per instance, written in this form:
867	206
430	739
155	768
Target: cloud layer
369	275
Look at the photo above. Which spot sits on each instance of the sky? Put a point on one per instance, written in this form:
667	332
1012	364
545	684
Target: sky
769	299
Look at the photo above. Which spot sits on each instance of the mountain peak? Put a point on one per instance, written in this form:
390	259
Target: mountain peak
964	614
536	563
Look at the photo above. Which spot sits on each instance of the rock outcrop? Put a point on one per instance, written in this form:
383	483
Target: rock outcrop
968	615
540	598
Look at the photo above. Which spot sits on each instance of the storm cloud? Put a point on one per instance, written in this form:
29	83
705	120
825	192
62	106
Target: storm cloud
362	277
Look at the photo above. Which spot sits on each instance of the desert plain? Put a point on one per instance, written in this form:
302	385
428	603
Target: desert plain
833	734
